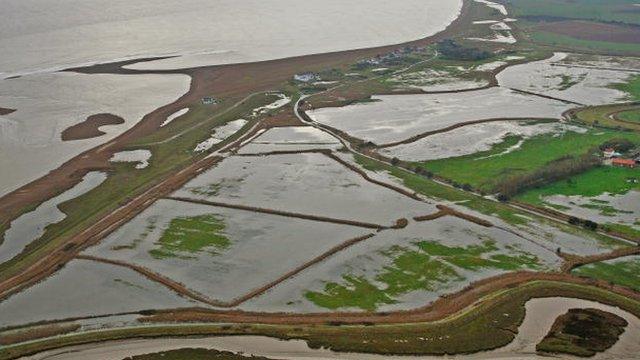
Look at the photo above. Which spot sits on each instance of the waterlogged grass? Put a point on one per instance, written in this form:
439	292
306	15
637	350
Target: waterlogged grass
631	87
427	266
597	181
627	230
624	272
187	236
484	170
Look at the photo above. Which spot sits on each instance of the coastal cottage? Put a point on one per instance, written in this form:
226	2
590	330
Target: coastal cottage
305	77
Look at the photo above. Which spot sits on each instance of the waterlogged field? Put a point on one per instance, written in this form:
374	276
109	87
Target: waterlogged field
312	184
398	117
221	253
407	268
588	86
293	138
85	288
472	139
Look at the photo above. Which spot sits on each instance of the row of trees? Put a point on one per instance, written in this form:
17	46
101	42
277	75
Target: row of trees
557	170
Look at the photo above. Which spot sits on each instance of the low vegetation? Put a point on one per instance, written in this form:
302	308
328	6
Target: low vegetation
187	236
624	272
583	332
195	354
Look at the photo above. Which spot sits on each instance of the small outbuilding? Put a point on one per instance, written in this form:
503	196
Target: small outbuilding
629	163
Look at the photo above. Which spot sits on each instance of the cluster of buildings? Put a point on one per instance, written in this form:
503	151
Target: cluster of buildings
615	158
389	58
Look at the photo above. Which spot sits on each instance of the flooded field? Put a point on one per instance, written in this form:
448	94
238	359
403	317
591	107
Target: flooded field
246	251
398	117
220	134
47	104
303	183
31	225
472	139
433	80
408	268
603	209
295	138
93	289
589	86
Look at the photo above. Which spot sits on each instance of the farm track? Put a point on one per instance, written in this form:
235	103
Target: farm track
280	213
575	261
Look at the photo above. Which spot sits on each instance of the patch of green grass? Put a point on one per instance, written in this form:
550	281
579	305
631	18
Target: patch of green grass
484	171
624	229
631	87
595	10
597	181
191	235
625	272
632	116
569	81
563	41
427	265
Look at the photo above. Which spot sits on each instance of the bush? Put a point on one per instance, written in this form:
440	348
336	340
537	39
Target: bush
454	51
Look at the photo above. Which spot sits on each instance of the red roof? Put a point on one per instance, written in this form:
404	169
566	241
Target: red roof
629	162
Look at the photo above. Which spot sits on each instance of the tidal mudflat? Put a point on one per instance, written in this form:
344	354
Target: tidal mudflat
31	225
47	104
398	117
72	34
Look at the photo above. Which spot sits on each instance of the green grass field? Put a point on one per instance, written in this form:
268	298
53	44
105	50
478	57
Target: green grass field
631	87
625	272
632	116
597	10
426	266
187	236
563	41
484	172
598	181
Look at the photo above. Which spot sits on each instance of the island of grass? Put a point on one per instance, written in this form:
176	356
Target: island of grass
187	236
195	354
630	116
583	332
624	272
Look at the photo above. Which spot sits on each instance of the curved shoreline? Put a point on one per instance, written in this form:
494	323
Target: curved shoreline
90	127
